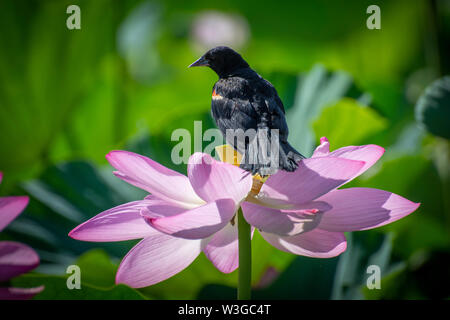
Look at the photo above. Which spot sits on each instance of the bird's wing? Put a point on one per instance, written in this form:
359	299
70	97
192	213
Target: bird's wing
277	117
235	113
271	109
270	89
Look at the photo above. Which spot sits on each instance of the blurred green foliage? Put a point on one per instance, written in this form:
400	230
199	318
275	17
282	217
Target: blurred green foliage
68	97
433	108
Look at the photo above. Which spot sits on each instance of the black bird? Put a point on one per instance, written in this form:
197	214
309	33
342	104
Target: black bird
242	99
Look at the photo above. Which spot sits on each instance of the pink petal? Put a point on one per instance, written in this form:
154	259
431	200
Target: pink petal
153	177
281	222
1	176
157	208
10	208
197	223
213	180
16	258
313	178
363	208
223	249
316	243
19	293
155	259
120	223
323	149
368	153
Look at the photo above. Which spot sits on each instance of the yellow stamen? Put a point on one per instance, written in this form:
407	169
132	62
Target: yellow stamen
258	182
227	154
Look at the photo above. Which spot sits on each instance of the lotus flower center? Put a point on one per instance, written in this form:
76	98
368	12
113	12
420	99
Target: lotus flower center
258	182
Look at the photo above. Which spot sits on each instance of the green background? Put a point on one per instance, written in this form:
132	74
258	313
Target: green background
68	97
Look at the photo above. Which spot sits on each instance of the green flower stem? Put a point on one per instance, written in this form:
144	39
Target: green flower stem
245	258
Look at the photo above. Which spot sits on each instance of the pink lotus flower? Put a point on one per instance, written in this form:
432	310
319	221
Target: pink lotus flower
304	213
300	212
15	258
182	217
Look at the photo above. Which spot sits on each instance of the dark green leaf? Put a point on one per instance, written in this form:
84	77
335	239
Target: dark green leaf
433	108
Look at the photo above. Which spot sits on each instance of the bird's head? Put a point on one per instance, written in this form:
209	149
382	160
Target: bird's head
223	60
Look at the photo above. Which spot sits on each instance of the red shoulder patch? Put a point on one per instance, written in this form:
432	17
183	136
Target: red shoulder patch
215	95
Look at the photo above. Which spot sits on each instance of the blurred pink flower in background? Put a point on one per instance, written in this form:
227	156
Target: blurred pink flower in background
15	258
213	28
300	212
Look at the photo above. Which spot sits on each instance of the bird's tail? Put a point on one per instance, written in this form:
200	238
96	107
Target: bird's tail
261	161
289	157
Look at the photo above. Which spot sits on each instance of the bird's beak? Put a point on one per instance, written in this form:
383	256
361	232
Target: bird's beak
201	62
